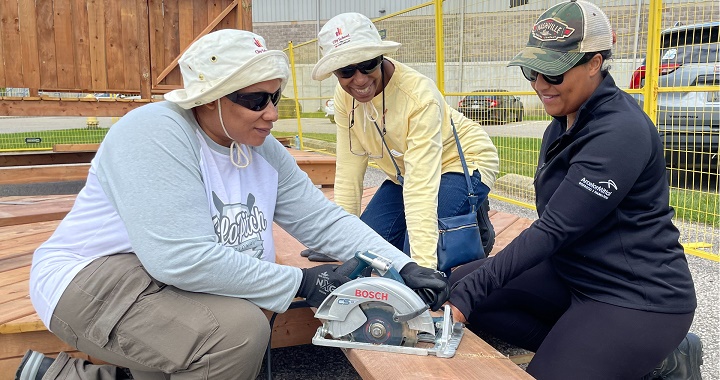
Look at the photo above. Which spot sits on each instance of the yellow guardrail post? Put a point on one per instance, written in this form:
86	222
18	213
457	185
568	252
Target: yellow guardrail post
439	46
291	55
652	60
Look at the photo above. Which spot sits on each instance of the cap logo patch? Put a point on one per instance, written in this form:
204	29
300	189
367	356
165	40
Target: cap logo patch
550	29
341	39
261	47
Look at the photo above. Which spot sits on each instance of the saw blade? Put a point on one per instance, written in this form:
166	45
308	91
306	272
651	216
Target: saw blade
380	328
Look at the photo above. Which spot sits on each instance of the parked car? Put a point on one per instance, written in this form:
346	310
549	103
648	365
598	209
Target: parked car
688	121
330	110
492	108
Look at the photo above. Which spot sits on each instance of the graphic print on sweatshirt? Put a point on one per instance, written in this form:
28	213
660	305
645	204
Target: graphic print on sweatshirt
240	226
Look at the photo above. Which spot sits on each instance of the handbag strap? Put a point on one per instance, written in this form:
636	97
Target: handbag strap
472	198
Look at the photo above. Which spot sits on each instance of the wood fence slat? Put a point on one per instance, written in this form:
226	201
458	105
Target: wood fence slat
2	55
114	46
11	37
98	59
46	44
81	45
156	39
200	16
144	56
62	19
186	24
29	44
129	37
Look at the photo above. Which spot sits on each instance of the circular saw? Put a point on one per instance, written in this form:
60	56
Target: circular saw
383	314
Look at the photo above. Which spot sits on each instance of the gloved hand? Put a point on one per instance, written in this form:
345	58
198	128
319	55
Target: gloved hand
431	285
316	256
318	282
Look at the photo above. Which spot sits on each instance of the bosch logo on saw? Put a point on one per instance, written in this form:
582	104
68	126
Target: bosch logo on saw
371	295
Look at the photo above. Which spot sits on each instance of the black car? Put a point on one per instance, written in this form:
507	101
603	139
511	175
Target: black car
487	107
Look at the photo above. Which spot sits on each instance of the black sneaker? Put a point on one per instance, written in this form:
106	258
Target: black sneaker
33	366
684	362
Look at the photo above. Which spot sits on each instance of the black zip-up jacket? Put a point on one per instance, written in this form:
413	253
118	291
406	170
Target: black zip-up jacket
604	215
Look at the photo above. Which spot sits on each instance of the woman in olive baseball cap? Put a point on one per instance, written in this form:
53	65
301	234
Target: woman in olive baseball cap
599	286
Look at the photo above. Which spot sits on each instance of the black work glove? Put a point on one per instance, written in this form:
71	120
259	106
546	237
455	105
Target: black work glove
318	282
316	256
431	285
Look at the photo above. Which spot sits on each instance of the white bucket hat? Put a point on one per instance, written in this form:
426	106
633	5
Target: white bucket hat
225	61
346	39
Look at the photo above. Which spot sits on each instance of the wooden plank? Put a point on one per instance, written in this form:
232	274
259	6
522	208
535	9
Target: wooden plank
29	44
46	44
24	212
43	173
11	37
474	359
186	26
62	18
143	47
129	37
76	147
67	107
157	31
114	45
98	59
44	158
510	233
81	48
171	41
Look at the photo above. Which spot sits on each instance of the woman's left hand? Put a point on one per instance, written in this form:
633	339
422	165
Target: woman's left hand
457	315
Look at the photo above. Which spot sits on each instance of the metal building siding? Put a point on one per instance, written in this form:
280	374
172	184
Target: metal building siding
307	10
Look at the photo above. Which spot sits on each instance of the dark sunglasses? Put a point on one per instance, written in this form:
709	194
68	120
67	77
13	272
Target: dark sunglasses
365	67
554	80
254	101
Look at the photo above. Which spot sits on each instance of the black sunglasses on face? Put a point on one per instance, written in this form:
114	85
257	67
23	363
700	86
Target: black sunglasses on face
554	80
254	101
365	67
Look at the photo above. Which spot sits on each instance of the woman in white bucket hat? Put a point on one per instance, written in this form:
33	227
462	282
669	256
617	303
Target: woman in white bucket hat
167	257
378	98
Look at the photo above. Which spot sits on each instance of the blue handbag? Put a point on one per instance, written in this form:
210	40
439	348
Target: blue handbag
459	239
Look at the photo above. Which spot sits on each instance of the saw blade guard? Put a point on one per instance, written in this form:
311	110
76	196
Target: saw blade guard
343	315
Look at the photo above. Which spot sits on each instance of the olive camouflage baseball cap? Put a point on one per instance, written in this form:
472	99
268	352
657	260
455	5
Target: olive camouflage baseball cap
562	35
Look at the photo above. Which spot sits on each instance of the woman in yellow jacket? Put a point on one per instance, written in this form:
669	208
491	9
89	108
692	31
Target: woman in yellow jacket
392	114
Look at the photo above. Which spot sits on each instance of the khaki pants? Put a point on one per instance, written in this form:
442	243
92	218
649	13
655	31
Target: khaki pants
114	311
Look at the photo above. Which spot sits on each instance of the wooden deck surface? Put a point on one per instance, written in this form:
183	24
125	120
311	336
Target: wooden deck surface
22	229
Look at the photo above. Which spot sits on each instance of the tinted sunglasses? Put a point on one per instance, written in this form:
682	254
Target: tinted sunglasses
554	80
365	67
254	101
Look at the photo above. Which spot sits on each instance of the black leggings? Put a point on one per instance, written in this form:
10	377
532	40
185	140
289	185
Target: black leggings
573	336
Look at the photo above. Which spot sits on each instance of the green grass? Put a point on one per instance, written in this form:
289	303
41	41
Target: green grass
19	141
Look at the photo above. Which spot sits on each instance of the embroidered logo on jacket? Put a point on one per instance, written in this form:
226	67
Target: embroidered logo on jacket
240	225
601	191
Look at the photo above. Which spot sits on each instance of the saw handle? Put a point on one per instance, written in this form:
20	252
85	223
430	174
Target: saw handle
366	259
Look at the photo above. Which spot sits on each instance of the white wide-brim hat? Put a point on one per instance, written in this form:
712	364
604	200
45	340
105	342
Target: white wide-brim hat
346	39
223	62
